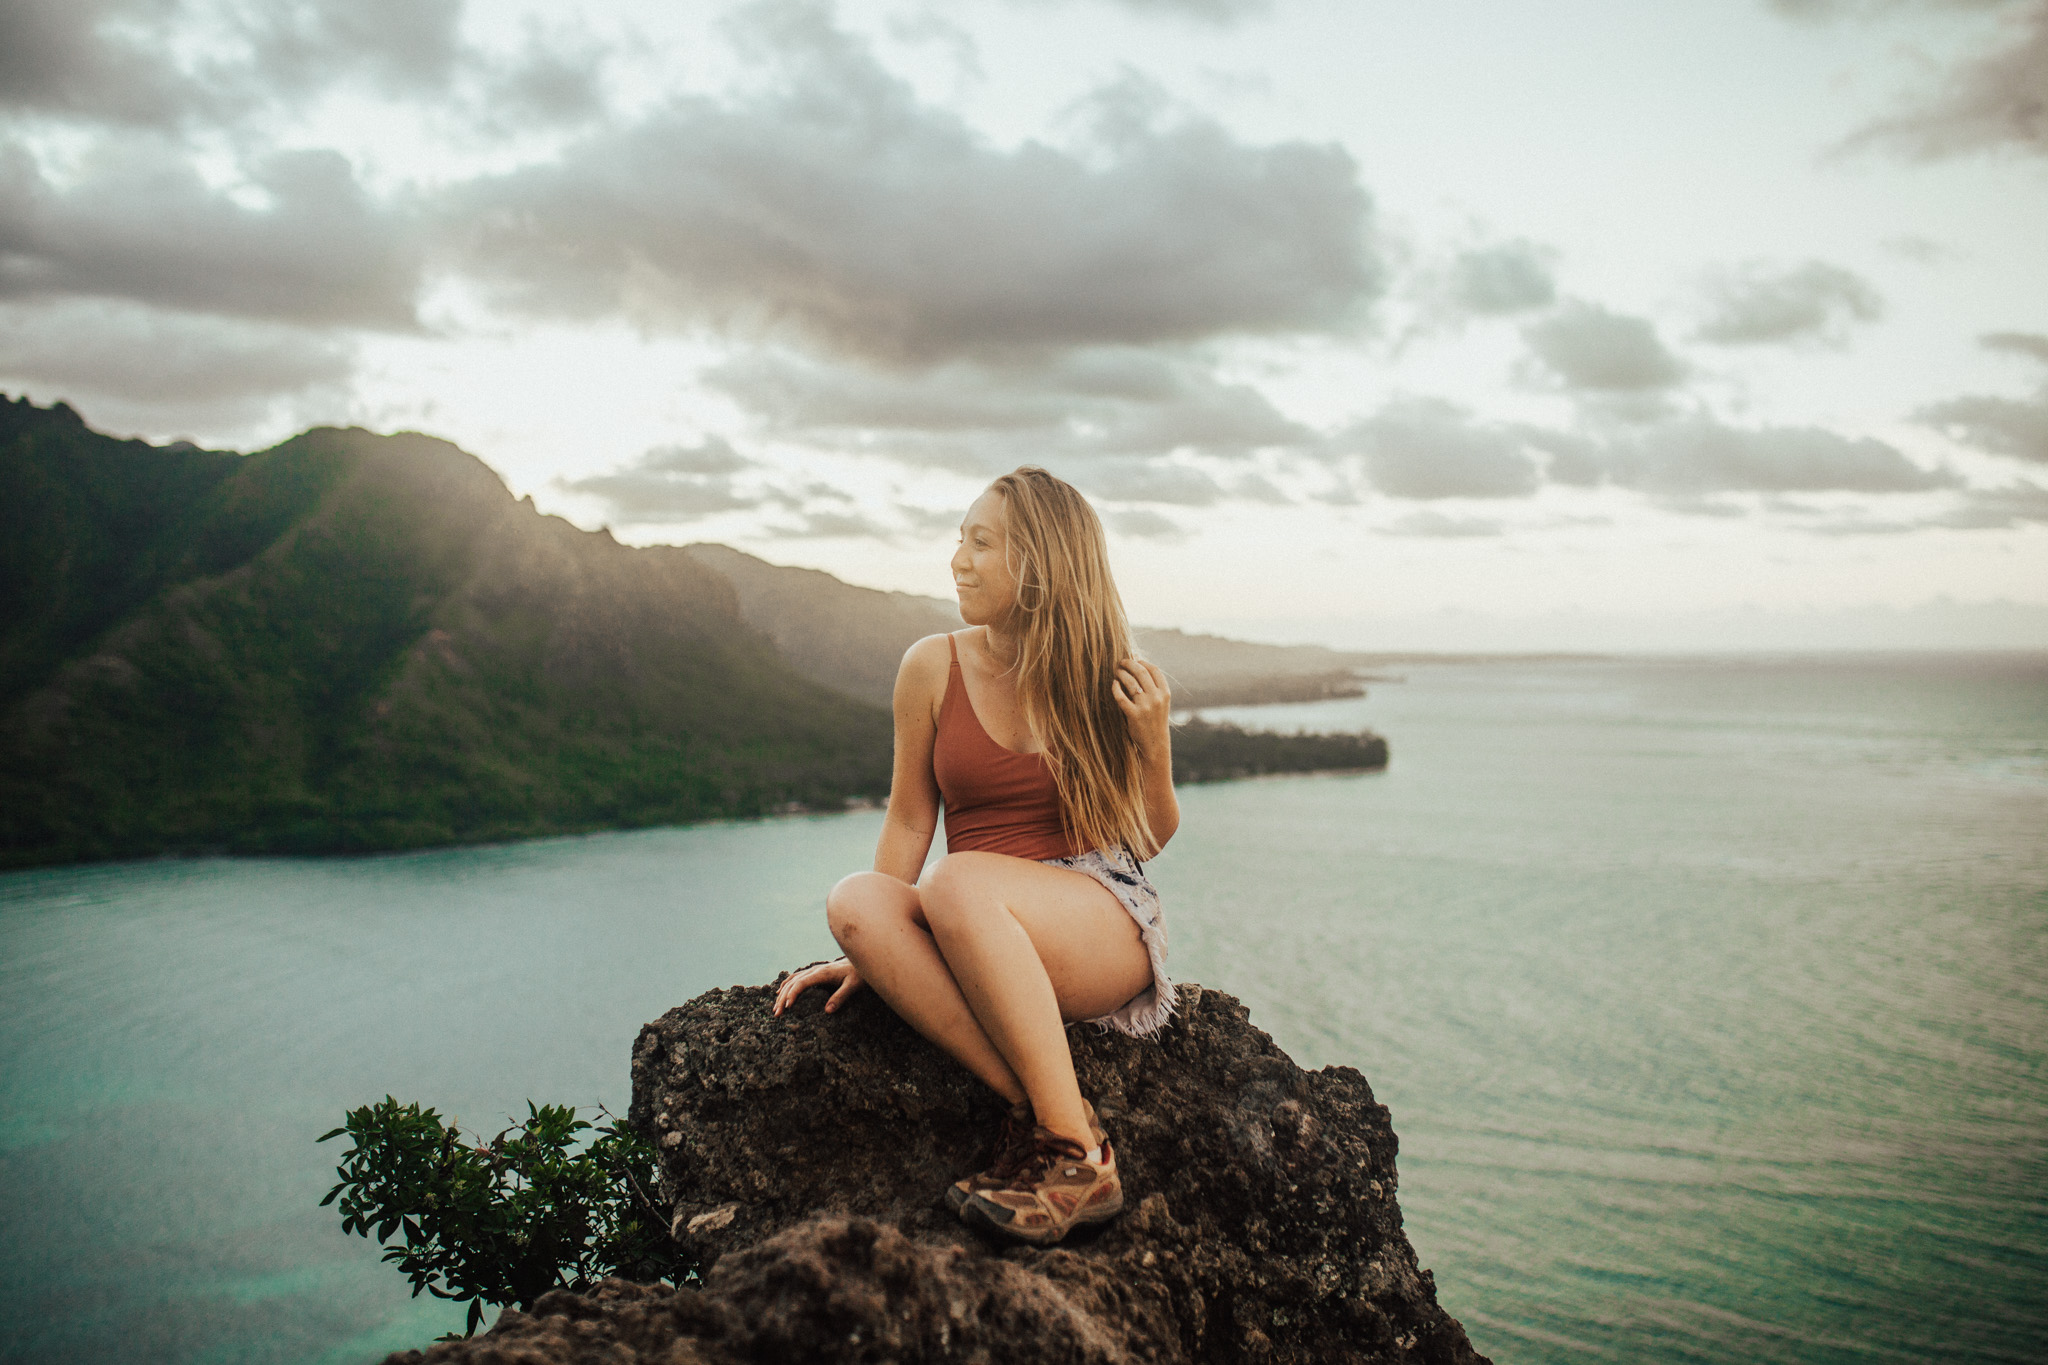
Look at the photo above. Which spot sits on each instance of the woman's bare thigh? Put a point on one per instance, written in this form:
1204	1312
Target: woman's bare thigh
1088	942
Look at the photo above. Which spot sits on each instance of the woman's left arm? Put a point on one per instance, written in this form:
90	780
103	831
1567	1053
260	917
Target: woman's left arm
1141	690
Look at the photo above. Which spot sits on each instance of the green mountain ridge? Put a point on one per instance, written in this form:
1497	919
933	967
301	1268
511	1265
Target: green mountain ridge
352	642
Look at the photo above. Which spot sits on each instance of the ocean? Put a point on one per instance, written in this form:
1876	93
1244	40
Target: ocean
1709	996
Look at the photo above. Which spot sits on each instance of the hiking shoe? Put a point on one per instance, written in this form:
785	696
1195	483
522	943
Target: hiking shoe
1055	1191
1013	1148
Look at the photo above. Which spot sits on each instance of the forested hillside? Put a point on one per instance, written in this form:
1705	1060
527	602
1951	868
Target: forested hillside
352	642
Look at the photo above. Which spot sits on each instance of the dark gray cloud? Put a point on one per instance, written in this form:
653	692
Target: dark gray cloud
97	59
984	417
130	368
1700	456
2003	426
1511	277
1428	448
1759	302
1590	348
836	206
139	223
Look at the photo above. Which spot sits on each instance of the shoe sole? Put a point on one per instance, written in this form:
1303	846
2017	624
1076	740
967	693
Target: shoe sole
973	1215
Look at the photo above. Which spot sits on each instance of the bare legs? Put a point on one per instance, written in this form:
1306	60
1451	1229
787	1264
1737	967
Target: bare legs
989	957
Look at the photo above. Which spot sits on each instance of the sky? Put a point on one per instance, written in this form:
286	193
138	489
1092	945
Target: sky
1386	324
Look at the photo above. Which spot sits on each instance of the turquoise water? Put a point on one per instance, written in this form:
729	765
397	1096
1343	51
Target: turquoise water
1710	999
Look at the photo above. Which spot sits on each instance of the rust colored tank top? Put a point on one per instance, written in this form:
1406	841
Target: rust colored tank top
997	800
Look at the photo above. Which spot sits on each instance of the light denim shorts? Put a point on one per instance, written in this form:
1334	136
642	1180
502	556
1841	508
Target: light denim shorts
1145	1013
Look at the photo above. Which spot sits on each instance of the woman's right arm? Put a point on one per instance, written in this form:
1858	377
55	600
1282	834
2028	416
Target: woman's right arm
913	815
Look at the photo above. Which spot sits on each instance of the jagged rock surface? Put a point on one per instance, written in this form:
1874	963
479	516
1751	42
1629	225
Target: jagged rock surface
804	1158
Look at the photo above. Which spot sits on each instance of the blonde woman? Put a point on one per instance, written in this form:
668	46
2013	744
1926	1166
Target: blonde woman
1046	741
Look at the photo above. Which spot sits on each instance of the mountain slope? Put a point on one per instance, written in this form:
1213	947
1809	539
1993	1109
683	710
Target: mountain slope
352	642
851	638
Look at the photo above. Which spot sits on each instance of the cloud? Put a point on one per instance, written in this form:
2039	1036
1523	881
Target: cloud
1512	277
713	455
984	417
399	46
557	79
2019	343
1590	348
132	368
1428	448
1840	9
670	484
1759	303
1137	480
1998	509
139	223
835	207
1698	456
2003	426
1979	509
832	524
141	354
1143	524
1997	100
1435	525
1219	12
100	59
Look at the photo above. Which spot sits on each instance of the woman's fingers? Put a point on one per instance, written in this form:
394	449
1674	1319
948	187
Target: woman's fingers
847	988
794	985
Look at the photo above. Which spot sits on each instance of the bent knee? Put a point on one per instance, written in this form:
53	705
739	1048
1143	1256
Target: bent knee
861	900
958	884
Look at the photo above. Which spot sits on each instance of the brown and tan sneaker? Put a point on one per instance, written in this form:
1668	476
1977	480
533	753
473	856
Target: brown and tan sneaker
1055	1191
1013	1149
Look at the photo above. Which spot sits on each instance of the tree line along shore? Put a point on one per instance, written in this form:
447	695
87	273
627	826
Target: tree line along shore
352	642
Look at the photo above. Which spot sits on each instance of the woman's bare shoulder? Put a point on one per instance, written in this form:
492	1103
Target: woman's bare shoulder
924	668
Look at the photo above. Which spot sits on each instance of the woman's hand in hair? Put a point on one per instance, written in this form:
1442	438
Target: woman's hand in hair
838	972
1141	690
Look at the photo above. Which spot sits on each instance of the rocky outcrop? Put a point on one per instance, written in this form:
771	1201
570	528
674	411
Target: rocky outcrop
803	1158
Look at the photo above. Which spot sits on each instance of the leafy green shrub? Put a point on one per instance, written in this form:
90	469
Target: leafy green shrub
504	1221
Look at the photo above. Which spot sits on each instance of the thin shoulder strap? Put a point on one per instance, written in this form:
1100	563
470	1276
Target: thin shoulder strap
953	645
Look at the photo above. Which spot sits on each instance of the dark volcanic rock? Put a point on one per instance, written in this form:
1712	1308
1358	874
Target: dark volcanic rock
804	1158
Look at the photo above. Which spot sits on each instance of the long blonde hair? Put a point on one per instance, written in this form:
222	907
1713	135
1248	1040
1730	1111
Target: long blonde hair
1071	634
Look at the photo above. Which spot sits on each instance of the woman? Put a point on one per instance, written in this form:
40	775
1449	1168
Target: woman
1048	744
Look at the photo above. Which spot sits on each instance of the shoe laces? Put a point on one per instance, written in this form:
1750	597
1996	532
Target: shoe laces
1013	1145
1048	1149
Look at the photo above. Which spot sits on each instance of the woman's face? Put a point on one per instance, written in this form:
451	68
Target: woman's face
981	566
